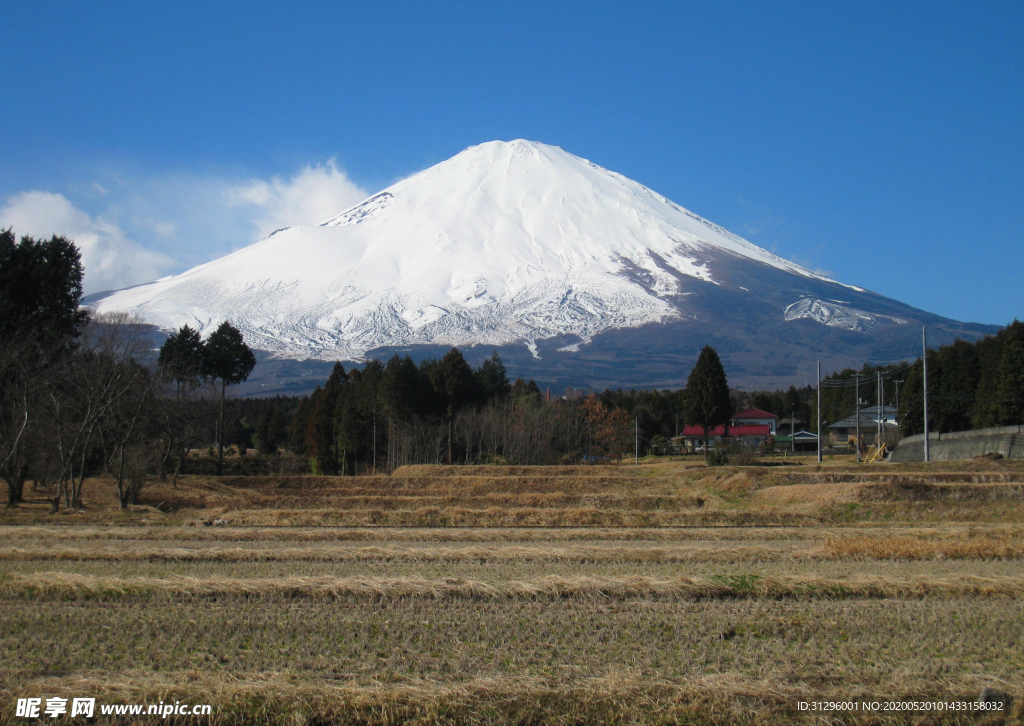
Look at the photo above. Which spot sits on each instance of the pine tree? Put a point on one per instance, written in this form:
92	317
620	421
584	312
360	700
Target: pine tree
183	356
321	442
300	422
1011	374
277	430
453	380
491	378
228	359
40	290
271	430
371	408
956	386
985	412
40	324
707	401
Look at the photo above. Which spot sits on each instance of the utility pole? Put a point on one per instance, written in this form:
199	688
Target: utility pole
792	430
856	389
897	406
878	403
819	411
636	440
924	366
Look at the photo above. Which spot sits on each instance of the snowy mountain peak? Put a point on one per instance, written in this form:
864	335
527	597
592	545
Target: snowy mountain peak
505	242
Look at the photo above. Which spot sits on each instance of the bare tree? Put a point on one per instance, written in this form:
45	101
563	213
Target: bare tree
84	389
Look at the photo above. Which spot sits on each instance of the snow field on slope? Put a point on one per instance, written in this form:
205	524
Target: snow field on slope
505	242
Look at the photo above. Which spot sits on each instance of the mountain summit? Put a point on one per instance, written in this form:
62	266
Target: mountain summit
512	244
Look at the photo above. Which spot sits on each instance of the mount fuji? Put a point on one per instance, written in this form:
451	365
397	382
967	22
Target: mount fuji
576	274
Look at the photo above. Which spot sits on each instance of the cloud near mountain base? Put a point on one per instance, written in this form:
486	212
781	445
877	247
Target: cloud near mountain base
111	259
133	229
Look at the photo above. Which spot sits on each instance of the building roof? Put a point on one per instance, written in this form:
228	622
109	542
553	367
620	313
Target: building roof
800	437
748	430
699	431
754	413
868	417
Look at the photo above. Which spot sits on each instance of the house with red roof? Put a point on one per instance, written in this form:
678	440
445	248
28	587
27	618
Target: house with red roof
752	435
755	417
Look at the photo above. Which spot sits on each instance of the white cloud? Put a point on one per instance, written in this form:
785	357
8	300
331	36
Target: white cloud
133	229
111	260
312	196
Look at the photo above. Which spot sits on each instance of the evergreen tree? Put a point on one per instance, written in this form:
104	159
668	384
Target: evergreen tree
321	442
453	380
183	356
404	392
1011	374
371	409
300	422
271	430
491	378
262	435
985	412
911	408
40	325
794	402
707	401
525	392
350	428
956	385
40	291
277	430
228	359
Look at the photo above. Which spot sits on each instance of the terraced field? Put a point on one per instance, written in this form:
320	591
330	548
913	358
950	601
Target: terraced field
664	593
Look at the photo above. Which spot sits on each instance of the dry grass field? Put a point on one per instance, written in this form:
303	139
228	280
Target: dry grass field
664	593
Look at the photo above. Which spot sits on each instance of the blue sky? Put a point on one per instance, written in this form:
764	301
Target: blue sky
881	142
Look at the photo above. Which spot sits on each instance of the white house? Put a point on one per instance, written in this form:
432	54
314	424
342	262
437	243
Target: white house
755	417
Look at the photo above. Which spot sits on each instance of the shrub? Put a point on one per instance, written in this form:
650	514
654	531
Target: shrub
718	457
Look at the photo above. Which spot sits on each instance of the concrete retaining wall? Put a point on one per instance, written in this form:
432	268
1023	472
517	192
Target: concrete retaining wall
1005	440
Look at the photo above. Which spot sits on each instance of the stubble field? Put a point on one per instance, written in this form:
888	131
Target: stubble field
664	593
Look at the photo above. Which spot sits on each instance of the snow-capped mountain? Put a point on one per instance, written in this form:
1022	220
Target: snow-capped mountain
515	244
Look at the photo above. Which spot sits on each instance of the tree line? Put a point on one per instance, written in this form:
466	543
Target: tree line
395	413
971	385
76	397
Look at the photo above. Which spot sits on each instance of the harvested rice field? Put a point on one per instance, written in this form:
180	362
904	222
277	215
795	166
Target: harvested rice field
659	594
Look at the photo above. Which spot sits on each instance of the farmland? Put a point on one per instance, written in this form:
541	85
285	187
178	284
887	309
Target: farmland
663	593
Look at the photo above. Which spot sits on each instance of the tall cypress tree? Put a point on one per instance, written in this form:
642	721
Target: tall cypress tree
321	442
183	356
491	378
228	359
707	401
1011	374
985	412
300	422
956	386
40	323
